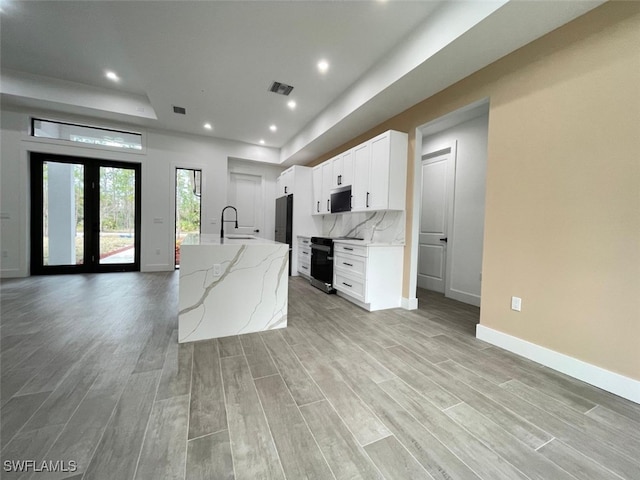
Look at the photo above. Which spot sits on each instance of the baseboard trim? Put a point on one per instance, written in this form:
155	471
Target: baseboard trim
157	267
464	297
615	383
409	303
13	273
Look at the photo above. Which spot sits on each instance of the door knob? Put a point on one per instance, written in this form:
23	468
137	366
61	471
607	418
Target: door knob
257	230
444	239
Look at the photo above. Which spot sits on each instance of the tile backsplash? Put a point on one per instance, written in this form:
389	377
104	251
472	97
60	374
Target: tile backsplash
379	227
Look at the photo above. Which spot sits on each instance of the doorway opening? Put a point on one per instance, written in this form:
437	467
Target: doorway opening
85	215
188	206
449	191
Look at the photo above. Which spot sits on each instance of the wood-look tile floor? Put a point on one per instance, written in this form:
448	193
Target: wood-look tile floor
92	373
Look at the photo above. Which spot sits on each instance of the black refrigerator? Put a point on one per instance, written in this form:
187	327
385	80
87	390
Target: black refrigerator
284	221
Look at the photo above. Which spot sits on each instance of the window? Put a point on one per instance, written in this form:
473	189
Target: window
84	134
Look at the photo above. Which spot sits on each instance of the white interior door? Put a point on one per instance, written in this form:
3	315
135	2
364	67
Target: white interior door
245	193
436	216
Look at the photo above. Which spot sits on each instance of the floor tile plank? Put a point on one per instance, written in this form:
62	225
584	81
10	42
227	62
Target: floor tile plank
117	453
297	448
254	453
394	461
163	449
345	457
209	457
207	412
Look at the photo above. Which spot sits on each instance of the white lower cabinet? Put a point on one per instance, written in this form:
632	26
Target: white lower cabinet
369	276
304	256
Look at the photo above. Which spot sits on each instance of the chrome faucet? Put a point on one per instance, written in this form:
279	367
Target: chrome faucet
222	220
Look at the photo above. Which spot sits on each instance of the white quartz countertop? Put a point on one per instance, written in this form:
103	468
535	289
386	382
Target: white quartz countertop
231	239
366	243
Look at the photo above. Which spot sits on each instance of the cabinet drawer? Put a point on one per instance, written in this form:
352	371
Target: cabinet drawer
350	264
304	242
349	286
304	268
304	252
360	250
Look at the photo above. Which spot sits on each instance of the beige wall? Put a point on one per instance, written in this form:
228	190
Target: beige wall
562	226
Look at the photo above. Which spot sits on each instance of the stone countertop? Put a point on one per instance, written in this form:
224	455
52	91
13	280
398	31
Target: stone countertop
365	243
212	239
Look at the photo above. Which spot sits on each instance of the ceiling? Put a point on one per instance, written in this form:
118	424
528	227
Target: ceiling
217	59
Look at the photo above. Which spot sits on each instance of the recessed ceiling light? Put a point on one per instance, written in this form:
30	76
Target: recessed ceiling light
291	104
323	66
273	128
262	141
112	75
208	126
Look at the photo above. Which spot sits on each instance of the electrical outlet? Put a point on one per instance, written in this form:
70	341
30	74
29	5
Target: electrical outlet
516	304
217	270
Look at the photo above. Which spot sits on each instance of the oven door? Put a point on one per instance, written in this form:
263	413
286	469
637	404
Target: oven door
322	263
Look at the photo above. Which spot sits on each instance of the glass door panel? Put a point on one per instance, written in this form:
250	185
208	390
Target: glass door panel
85	215
188	201
62	213
117	217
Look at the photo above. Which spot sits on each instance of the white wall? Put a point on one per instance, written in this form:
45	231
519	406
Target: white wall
163	152
465	238
269	174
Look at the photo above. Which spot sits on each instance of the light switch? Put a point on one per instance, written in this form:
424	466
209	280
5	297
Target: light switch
516	303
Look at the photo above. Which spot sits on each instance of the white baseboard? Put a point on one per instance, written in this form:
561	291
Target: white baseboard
611	382
157	267
409	303
13	273
465	297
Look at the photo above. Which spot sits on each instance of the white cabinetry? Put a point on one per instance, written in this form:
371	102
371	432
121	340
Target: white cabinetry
285	183
317	191
325	202
342	170
297	181
304	256
369	276
380	173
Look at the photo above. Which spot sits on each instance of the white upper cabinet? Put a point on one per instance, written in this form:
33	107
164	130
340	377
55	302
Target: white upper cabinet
317	191
342	170
325	202
284	183
376	171
380	173
361	167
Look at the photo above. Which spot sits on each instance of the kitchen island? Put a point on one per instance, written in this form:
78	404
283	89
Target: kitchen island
231	286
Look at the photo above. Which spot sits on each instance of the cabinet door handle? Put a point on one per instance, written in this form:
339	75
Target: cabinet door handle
348	264
318	207
350	286
339	179
306	268
328	205
285	190
347	248
350	202
305	253
367	199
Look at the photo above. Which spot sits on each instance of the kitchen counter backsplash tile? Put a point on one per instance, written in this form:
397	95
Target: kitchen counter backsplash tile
373	227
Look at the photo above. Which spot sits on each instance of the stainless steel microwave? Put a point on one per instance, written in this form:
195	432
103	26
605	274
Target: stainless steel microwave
341	199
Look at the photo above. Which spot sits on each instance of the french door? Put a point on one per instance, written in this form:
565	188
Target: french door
85	215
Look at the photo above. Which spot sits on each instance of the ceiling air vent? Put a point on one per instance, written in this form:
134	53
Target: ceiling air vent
280	88
179	110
